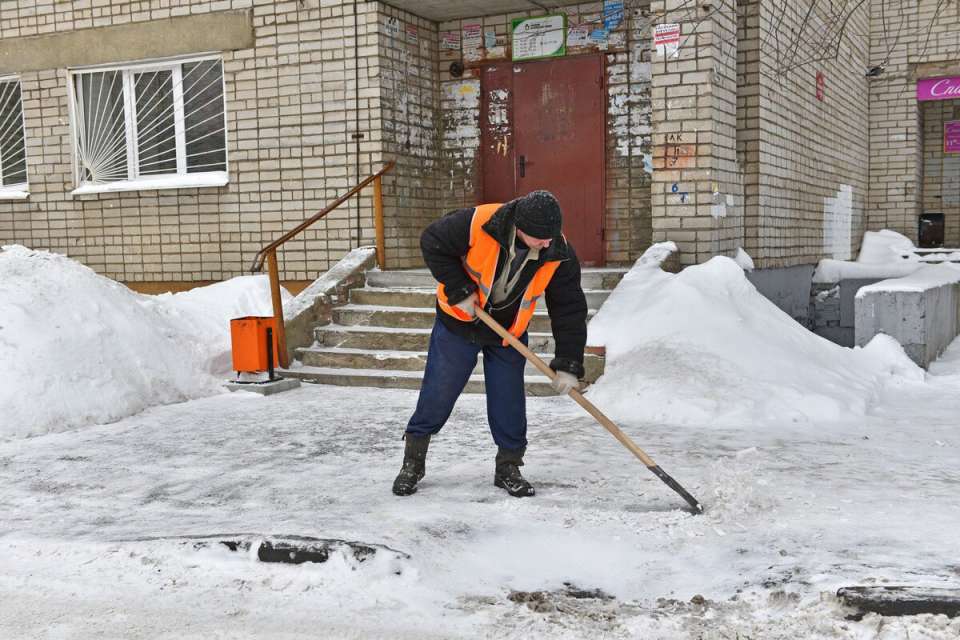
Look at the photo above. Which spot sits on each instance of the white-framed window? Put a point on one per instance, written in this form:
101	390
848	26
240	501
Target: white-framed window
151	125
13	146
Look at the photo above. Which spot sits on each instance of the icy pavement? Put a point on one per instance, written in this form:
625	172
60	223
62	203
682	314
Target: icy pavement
95	523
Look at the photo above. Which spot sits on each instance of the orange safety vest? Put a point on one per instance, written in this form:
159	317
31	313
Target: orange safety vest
480	263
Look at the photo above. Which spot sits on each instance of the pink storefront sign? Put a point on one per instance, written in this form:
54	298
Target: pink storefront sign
951	136
938	88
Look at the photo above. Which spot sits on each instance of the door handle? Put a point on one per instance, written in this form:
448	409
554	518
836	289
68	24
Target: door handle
523	166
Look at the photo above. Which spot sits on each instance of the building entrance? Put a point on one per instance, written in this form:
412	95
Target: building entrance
542	127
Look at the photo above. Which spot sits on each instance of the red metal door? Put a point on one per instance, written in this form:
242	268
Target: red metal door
498	178
554	140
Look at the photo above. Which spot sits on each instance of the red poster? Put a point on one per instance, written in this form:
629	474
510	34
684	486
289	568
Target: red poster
951	136
821	81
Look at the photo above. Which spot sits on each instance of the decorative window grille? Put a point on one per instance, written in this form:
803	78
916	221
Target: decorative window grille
156	125
13	150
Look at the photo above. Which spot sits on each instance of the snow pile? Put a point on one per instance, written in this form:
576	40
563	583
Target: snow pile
884	247
928	276
77	348
705	347
743	259
883	254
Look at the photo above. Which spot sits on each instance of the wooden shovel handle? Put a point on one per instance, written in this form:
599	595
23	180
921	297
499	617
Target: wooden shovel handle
574	393
695	506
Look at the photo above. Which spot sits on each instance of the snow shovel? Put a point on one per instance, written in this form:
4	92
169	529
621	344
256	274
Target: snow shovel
608	424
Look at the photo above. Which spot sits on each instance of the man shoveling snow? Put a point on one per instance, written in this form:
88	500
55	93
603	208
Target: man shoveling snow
501	258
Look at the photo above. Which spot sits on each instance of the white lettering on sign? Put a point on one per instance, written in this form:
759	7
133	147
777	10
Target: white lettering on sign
938	88
944	88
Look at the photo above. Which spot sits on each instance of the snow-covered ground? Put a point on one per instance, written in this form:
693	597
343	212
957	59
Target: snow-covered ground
102	526
97	523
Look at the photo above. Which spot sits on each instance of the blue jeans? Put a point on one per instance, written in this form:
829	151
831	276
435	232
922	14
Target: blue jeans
450	361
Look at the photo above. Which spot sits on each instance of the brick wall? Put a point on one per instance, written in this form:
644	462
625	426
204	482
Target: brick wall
296	102
806	176
928	47
697	187
409	91
628	142
291	109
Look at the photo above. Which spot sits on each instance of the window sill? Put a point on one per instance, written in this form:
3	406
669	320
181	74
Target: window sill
189	181
14	193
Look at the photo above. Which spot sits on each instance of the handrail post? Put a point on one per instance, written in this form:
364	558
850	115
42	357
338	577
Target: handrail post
277	308
378	222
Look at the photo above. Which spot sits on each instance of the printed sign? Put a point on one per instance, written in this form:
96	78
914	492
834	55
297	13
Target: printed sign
600	38
472	41
612	14
450	40
413	37
543	37
951	136
578	36
938	88
666	39
393	26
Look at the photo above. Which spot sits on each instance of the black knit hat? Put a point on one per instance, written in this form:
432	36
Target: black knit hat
538	215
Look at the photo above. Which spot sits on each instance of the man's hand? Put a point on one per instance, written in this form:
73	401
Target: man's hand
564	382
468	305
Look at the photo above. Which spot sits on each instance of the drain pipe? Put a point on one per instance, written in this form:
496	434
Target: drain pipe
357	135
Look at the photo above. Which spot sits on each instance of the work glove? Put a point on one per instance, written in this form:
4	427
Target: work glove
564	382
468	305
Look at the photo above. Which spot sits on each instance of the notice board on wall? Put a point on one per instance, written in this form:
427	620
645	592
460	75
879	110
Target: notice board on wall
951	136
543	37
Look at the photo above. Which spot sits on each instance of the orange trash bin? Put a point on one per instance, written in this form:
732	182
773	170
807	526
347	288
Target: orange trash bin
248	343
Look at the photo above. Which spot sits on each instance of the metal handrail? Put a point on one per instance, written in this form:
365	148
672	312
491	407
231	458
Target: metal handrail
269	253
262	254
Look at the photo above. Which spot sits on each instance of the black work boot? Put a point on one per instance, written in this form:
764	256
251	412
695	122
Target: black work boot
507	475
414	465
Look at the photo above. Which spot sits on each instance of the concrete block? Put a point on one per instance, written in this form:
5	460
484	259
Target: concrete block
924	320
264	388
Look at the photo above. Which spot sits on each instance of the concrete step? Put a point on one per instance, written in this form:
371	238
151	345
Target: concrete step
428	298
422	279
335	357
413	317
391	379
387	339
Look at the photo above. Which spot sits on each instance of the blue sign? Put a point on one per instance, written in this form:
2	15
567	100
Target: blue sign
612	14
599	35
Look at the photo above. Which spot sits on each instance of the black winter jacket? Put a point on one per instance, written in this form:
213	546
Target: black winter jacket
445	243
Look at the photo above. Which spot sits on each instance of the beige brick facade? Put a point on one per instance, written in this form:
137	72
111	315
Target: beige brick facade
743	152
292	110
409	90
929	46
767	165
697	190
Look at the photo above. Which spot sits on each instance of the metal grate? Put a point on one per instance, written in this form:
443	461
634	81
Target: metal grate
150	121
13	153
